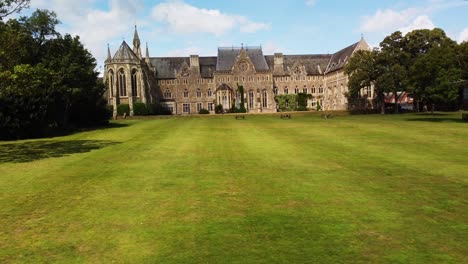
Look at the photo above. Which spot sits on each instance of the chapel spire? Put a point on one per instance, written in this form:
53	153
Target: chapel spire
108	53
136	43
147	58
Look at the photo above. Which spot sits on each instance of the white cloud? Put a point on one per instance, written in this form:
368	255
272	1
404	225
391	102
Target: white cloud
463	35
420	22
388	19
184	18
310	2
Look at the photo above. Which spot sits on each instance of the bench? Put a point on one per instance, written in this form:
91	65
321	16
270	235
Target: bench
285	116
240	117
327	116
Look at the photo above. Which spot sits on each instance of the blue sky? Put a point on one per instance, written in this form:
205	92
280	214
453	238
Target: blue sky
184	27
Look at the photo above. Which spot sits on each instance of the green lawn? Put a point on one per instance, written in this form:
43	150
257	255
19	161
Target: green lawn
212	189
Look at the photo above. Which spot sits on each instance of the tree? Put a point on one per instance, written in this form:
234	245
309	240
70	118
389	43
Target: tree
48	82
15	45
435	76
462	57
41	25
8	7
393	62
431	70
418	44
363	71
25	102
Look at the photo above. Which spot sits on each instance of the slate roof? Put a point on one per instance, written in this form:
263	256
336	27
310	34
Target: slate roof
339	59
310	62
166	67
227	57
125	53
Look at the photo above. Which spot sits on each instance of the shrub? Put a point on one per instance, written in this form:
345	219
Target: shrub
140	109
159	109
123	108
219	109
203	112
302	108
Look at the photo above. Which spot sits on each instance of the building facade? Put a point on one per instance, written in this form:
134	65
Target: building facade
185	85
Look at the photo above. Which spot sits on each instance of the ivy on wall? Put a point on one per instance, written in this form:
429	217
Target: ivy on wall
292	102
286	102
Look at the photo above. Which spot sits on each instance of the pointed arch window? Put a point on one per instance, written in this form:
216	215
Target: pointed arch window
134	82
111	83
186	93
167	94
198	93
251	99
122	83
264	99
209	93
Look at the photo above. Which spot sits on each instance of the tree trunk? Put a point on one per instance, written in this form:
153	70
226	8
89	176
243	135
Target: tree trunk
395	95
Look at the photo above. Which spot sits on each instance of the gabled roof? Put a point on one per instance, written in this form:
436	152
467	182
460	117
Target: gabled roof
227	58
338	60
125	53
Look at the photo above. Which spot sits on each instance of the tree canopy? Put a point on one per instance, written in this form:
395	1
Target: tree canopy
426	63
48	82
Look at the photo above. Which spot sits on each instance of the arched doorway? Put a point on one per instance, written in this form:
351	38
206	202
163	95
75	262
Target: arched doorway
224	96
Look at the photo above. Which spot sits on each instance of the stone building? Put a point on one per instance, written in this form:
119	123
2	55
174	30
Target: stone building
187	84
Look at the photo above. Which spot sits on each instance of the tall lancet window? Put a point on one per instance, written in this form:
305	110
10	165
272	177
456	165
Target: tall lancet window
122	83
134	83
264	99
111	83
251	99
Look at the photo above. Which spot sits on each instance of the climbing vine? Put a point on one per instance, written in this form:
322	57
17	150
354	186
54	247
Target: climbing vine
292	102
286	102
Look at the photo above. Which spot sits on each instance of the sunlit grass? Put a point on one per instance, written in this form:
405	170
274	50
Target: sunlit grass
352	189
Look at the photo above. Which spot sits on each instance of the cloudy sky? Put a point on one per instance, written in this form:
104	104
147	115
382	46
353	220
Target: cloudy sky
184	27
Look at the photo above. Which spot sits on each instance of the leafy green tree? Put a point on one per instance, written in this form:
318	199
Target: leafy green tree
393	62
418	44
26	106
15	45
8	7
363	70
435	76
48	83
462	57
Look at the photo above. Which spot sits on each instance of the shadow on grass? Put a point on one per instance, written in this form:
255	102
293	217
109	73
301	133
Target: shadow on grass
37	150
438	119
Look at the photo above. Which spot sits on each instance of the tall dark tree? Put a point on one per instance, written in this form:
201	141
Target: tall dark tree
47	82
434	69
16	45
393	61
